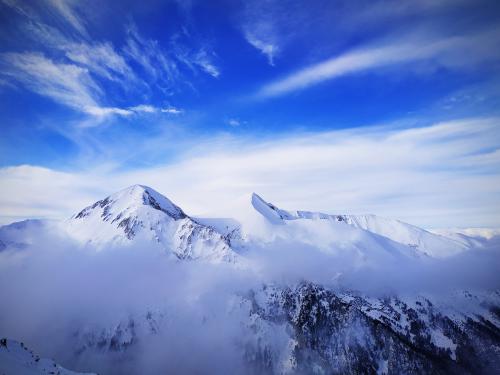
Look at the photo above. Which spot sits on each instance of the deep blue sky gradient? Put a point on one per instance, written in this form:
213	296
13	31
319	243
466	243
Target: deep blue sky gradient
36	129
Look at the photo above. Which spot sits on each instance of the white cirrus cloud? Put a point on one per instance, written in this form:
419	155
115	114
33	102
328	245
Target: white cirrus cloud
148	108
172	110
267	48
106	111
204	60
101	59
66	8
448	52
144	108
90	76
67	84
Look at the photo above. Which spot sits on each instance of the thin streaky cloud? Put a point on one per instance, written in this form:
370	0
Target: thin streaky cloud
265	26
77	72
172	110
144	108
447	52
266	48
66	84
204	61
101	59
106	111
147	108
67	11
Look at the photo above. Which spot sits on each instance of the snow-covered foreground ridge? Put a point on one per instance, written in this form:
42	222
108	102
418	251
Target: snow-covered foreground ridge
17	359
134	284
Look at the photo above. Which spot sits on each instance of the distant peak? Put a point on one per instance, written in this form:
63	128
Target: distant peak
144	195
138	188
256	196
134	197
269	210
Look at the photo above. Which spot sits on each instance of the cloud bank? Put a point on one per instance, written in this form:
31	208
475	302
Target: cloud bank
443	175
69	301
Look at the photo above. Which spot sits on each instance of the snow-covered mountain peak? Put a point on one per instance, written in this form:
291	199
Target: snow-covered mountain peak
131	199
141	213
420	239
270	211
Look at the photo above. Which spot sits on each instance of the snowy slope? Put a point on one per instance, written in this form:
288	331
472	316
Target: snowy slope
427	242
319	293
21	234
139	214
17	359
424	241
477	237
477	233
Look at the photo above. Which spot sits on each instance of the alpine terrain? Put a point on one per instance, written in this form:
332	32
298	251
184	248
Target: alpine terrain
133	284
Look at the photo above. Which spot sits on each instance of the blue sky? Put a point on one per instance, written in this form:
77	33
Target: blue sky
118	90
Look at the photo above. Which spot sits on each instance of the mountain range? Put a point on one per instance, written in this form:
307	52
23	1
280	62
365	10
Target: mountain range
326	293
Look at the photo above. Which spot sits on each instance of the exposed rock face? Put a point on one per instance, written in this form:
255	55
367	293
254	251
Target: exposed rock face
120	337
138	213
347	334
308	329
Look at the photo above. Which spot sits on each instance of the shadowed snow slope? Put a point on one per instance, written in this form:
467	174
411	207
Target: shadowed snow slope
21	234
139	213
426	242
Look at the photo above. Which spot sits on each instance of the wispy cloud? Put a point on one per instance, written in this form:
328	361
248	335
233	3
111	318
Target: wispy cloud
233	122
262	26
164	66
66	9
172	110
101	59
147	108
151	58
441	175
267	48
205	61
93	76
448	52
144	108
106	111
68	84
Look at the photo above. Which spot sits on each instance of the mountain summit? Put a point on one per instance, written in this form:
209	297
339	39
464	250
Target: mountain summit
431	244
140	212
132	201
